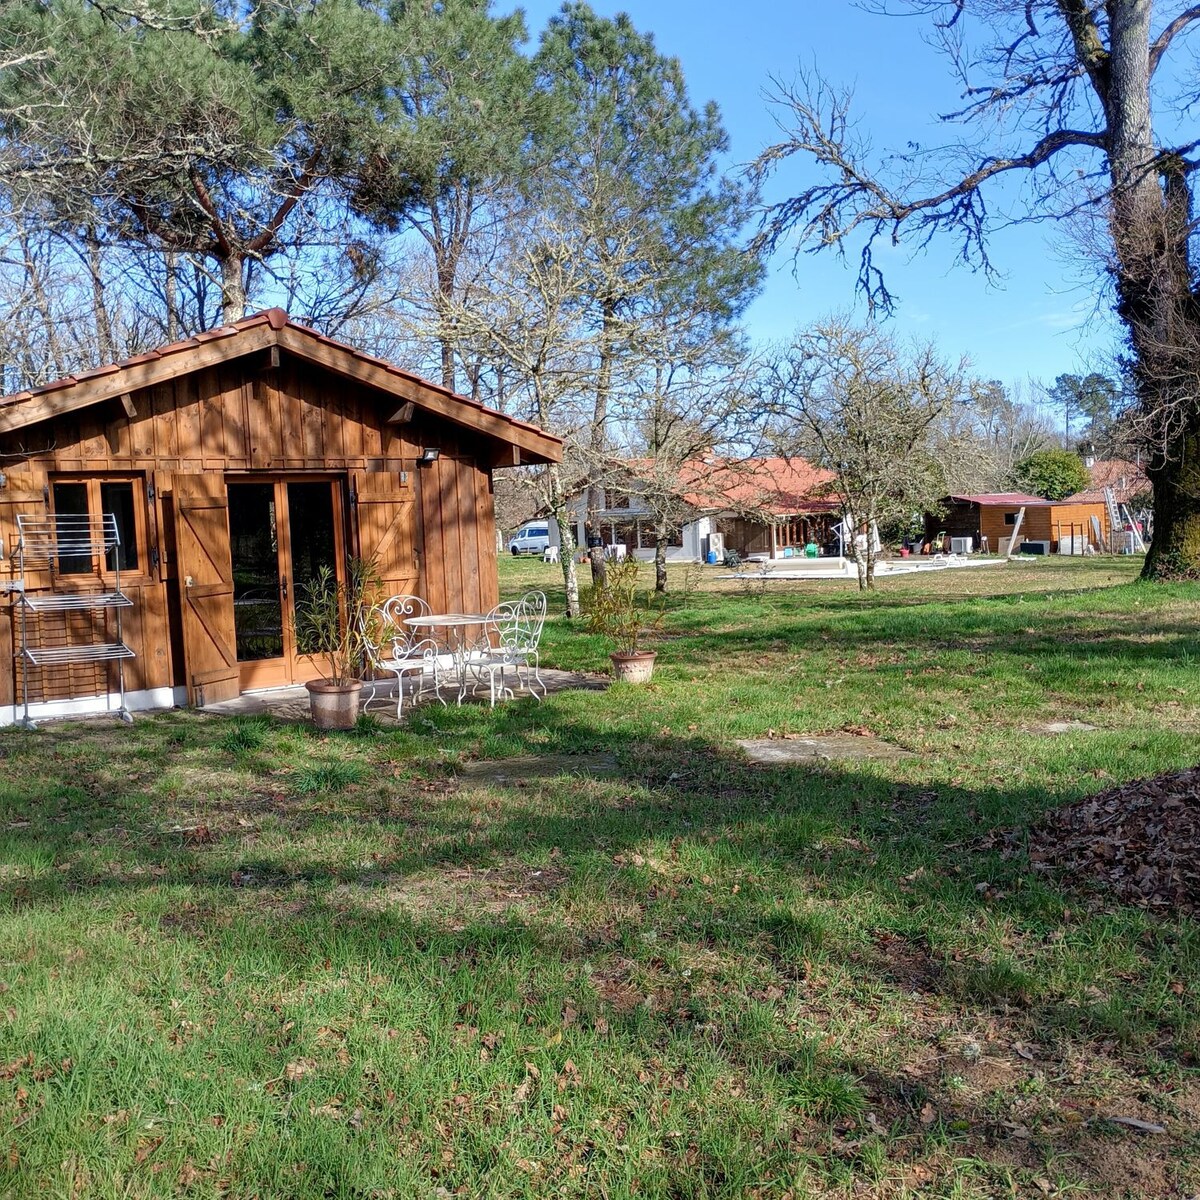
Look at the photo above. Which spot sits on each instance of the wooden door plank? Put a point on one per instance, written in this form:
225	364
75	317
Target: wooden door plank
468	541
433	541
385	527
485	529
205	573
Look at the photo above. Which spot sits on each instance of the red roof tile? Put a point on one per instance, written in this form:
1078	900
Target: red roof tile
774	487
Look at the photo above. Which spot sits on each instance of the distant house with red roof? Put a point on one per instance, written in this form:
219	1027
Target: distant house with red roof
772	506
1127	480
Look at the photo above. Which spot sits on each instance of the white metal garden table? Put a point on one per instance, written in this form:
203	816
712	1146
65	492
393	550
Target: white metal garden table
457	633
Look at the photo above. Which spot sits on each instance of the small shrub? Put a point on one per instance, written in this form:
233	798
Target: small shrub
832	1097
243	733
998	981
614	612
325	777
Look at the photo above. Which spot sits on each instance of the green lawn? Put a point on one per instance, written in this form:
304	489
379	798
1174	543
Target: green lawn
241	959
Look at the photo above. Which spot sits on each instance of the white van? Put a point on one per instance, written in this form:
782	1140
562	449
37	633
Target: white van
531	539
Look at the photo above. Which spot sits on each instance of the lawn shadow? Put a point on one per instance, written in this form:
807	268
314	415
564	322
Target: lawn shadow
759	883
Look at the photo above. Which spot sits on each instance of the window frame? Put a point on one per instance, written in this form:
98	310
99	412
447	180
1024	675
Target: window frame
141	519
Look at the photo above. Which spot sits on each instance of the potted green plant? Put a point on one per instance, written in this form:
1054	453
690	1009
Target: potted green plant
331	631
614	612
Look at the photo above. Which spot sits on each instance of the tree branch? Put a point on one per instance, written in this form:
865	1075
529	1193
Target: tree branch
1161	43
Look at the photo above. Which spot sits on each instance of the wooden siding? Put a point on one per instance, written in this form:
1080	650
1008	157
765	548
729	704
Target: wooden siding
1079	516
959	518
1042	522
249	417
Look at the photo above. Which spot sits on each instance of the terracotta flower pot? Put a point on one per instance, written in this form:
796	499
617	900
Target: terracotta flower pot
334	705
634	668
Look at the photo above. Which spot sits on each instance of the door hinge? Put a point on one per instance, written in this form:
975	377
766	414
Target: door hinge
353	495
154	557
150	492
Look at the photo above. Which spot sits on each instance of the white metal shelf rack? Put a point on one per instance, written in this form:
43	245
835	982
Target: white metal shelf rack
45	543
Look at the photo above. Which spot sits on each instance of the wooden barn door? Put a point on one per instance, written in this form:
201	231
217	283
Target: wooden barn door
385	526
205	573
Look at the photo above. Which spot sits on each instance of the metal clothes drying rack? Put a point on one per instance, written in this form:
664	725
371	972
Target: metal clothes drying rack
44	542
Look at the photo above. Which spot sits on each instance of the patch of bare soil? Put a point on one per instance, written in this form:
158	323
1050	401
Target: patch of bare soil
494	891
1141	840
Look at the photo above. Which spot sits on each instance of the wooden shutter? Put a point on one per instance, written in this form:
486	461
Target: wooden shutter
204	570
384	516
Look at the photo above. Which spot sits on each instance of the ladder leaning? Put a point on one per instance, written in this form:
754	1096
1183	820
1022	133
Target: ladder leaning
1120	521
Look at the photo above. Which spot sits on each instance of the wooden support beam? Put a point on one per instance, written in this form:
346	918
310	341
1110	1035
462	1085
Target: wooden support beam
128	405
507	456
403	414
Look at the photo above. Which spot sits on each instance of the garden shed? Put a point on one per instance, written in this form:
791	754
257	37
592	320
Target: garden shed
231	467
1057	526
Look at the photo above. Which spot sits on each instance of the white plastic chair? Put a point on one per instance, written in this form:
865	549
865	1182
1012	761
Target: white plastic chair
514	632
394	648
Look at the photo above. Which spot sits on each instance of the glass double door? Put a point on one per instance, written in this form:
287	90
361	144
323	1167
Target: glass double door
281	533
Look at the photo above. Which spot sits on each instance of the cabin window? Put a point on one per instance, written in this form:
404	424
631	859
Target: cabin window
93	498
1010	518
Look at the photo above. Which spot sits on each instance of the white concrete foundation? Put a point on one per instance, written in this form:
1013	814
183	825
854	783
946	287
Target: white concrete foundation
95	706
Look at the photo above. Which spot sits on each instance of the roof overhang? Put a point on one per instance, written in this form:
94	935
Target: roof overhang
519	443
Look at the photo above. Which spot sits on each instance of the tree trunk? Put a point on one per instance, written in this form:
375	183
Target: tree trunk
104	334
860	564
660	559
558	503
599	434
566	560
1175	550
447	336
170	301
41	301
233	289
1150	223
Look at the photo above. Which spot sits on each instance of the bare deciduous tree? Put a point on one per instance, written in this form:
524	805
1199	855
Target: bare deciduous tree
1060	92
855	401
691	394
524	314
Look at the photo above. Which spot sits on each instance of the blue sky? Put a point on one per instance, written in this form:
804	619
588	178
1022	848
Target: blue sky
1038	321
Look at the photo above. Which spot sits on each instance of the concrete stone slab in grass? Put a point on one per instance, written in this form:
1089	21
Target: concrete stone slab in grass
774	751
1063	727
539	766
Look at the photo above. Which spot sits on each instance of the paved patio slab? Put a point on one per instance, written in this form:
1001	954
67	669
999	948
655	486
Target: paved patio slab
539	766
291	703
843	746
1063	727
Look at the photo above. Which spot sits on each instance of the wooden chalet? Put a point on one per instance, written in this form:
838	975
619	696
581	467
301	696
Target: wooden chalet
235	465
1057	526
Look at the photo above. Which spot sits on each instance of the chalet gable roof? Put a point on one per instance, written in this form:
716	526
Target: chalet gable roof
263	331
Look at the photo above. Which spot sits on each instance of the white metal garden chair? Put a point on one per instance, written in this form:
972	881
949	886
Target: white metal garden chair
395	648
514	632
